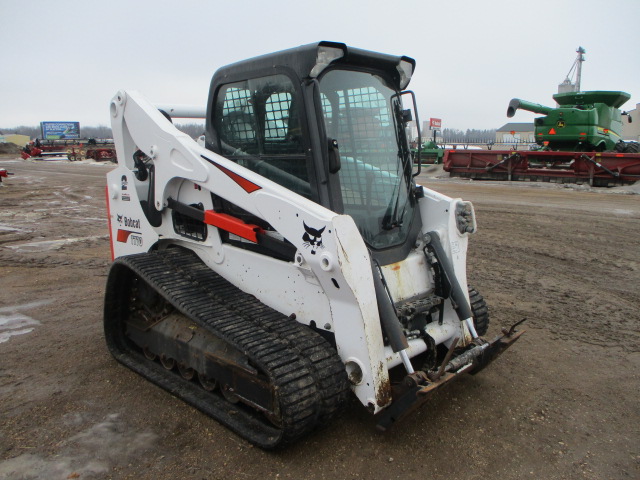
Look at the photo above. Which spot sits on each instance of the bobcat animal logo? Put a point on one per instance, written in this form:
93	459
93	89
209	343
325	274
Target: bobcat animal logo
312	238
119	218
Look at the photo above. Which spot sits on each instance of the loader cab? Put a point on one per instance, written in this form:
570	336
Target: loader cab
327	122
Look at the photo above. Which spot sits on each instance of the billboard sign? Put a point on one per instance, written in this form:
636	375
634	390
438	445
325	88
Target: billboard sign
435	123
60	130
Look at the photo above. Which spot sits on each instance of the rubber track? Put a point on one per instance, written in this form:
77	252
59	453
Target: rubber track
480	311
303	368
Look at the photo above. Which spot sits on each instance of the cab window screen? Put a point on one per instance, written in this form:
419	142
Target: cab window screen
258	125
277	116
237	126
358	110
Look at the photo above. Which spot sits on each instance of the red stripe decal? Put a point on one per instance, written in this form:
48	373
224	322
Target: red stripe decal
246	185
123	235
109	218
233	225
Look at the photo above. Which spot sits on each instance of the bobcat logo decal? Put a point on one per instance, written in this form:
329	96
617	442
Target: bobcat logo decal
312	238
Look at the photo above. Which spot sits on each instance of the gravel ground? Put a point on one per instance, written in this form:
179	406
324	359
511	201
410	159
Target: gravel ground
561	404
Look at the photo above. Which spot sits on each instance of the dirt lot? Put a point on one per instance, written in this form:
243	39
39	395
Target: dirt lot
561	404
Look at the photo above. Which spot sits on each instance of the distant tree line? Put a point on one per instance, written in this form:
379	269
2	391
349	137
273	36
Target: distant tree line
452	135
194	130
32	132
36	132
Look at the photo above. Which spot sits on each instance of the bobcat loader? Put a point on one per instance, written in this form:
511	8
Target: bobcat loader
289	259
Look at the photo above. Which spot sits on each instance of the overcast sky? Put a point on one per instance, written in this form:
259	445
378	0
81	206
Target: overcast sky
63	60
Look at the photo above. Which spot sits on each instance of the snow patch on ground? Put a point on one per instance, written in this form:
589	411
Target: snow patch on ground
46	245
91	453
13	322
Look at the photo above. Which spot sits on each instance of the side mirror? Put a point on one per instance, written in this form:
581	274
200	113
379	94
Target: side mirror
405	116
334	156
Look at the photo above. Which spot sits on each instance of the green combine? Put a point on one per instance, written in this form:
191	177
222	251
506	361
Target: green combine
430	153
583	122
580	141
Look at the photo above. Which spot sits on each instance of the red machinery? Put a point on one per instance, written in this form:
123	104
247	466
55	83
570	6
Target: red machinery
102	151
4	173
602	169
98	150
30	151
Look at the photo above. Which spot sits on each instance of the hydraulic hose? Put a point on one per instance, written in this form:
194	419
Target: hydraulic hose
458	297
388	316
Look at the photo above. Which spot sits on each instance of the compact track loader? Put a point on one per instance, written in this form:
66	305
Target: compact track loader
288	260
